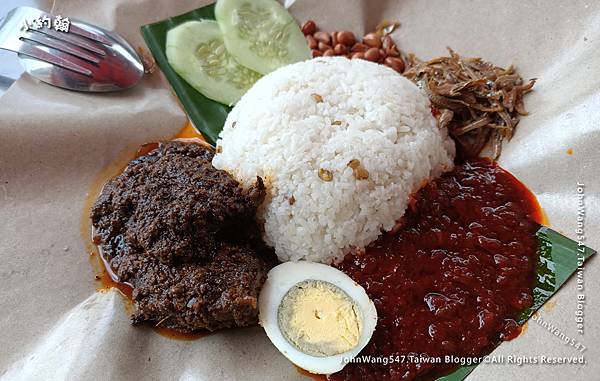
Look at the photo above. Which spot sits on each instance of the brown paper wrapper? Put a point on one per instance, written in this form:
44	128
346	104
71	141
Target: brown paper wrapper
55	143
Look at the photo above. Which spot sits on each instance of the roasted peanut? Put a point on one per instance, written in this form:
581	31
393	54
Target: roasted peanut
323	37
334	38
312	43
359	47
373	47
372	54
372	40
346	38
309	27
395	63
340	49
323	47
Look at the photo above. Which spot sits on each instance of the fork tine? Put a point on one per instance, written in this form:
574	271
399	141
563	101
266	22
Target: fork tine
40	54
60	45
75	40
84	31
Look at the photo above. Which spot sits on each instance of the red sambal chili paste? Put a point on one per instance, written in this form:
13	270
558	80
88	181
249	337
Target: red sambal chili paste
452	280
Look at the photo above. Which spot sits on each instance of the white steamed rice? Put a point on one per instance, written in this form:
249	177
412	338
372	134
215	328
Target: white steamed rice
282	132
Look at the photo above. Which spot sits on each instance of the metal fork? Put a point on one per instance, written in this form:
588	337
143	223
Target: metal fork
86	58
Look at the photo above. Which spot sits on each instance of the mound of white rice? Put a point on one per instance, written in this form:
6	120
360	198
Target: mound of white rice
302	125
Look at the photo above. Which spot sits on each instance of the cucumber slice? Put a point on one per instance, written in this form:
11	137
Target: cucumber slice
195	50
261	34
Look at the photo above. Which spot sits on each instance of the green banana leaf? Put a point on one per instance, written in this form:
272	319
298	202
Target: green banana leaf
558	255
206	115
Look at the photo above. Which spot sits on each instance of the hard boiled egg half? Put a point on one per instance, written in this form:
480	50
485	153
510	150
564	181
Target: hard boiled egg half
316	315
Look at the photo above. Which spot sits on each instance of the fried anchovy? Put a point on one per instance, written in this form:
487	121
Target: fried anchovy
478	102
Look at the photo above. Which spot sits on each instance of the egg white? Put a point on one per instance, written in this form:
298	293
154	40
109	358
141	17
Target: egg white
285	276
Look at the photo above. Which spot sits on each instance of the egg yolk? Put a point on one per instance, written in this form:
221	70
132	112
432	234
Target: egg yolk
319	319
